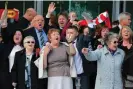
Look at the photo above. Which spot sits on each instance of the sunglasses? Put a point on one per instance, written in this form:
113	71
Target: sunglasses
115	42
30	42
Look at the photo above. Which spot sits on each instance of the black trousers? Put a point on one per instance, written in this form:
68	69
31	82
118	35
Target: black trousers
86	81
74	83
43	83
5	81
129	88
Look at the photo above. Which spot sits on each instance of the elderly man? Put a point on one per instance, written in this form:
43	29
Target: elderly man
37	31
124	20
39	27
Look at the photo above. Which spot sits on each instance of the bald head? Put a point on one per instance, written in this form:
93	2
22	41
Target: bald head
30	10
38	16
30	14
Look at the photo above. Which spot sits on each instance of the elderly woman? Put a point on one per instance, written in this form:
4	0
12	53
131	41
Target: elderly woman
24	72
109	61
56	60
126	44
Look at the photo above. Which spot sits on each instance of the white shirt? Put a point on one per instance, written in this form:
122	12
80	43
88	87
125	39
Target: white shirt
120	26
78	60
12	55
30	57
91	25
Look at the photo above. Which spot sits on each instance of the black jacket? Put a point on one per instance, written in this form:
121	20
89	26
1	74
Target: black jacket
88	66
5	78
23	23
128	60
18	71
32	32
115	29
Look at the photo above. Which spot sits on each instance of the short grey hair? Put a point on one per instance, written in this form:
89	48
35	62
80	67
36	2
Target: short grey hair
109	36
123	15
26	39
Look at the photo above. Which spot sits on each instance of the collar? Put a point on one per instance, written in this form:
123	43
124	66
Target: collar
38	30
75	41
120	26
61	28
106	51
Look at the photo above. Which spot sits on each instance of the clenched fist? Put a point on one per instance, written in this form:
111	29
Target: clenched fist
85	50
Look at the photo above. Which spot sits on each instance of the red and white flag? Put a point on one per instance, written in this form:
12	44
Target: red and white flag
103	17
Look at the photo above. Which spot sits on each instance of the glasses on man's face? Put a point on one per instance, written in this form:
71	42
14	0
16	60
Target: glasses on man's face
30	42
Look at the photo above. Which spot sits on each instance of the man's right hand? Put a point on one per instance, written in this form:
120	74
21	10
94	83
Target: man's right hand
70	38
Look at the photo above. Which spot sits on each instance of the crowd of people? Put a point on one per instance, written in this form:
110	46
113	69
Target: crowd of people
39	52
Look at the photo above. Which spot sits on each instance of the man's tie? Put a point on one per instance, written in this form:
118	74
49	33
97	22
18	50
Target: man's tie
41	38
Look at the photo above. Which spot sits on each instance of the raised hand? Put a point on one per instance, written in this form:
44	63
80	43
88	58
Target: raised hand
47	49
51	7
70	38
99	46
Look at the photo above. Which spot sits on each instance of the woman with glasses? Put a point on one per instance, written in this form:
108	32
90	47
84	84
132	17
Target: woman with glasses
109	61
24	72
10	48
126	44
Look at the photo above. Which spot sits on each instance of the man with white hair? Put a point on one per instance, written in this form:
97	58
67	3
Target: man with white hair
37	31
38	27
124	20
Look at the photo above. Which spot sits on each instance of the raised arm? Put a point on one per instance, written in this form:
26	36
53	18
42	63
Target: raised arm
71	50
51	9
45	52
91	55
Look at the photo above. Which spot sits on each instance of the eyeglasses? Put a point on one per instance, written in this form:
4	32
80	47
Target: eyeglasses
115	42
30	42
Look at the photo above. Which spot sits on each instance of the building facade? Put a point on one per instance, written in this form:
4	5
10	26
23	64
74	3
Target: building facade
94	7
